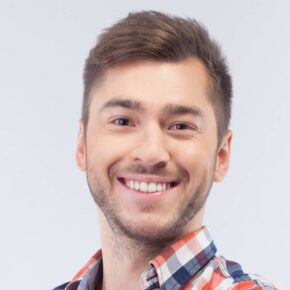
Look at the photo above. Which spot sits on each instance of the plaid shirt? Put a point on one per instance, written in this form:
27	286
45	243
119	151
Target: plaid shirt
189	264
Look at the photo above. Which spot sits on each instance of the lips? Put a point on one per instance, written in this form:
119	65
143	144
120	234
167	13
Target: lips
145	186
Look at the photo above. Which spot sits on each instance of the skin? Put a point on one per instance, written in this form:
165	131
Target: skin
139	139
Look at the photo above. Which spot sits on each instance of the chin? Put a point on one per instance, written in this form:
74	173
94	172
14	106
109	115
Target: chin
148	231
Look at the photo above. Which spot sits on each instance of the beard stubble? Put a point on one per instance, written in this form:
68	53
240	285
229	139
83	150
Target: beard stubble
145	235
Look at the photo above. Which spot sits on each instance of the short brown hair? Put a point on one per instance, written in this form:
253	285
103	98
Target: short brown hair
151	35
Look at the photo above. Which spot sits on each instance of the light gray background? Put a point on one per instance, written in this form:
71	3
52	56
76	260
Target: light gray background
48	220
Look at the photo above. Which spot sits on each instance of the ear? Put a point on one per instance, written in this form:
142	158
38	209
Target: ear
223	157
81	148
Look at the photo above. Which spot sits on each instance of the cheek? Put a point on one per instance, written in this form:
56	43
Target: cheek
194	157
104	151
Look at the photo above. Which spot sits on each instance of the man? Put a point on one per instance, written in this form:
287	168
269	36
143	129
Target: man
153	138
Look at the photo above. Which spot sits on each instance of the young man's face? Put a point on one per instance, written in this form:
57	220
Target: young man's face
150	150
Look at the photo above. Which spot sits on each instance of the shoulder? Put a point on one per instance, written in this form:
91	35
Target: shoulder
72	286
223	274
235	278
89	272
61	287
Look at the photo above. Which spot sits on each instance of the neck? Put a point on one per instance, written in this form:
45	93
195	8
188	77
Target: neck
127	259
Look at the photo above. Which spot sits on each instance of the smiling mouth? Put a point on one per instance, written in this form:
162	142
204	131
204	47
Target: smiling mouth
147	187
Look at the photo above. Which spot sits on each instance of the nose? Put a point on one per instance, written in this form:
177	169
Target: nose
151	147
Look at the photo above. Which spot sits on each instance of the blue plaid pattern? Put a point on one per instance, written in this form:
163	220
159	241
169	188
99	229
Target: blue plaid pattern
190	263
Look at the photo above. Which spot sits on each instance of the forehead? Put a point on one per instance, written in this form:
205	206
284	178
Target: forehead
155	84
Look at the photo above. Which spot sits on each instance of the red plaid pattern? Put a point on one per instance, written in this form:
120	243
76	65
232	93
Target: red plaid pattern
189	264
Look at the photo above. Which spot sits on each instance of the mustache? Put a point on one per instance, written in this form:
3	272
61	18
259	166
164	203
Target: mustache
158	169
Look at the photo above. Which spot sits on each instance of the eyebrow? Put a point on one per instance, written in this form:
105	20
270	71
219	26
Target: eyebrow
173	109
124	103
170	109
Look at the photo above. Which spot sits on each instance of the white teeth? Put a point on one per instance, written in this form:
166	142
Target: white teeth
136	185
152	187
143	187
147	187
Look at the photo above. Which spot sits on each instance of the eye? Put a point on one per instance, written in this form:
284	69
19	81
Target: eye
182	126
121	122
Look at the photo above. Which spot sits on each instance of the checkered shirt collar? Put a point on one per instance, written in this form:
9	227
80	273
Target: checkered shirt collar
181	261
171	269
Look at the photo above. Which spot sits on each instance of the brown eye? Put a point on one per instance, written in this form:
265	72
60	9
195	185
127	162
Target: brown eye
181	126
121	122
